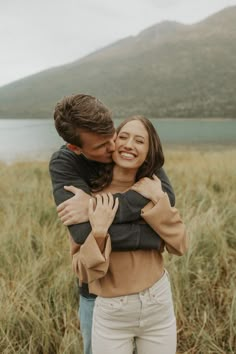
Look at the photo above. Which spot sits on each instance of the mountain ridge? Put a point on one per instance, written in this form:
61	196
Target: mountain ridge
167	70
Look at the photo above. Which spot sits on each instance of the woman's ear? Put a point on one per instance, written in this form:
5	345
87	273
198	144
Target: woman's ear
74	148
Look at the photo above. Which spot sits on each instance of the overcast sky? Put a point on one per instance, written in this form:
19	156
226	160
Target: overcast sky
39	34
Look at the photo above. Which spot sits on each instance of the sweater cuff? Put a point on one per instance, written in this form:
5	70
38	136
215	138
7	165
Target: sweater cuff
159	212
90	253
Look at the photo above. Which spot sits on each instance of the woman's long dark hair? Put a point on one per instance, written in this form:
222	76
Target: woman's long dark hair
154	160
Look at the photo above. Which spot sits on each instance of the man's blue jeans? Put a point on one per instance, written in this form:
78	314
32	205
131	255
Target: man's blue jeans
86	306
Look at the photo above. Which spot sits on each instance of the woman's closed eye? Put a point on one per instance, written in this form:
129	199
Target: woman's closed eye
122	137
139	141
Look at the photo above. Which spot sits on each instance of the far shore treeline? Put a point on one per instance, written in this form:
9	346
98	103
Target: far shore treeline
38	295
168	70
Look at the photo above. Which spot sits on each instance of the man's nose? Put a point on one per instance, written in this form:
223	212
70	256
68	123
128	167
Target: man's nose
111	146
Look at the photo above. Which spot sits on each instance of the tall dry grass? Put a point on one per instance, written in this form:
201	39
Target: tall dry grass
38	293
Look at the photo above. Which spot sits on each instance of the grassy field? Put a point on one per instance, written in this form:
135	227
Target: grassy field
38	294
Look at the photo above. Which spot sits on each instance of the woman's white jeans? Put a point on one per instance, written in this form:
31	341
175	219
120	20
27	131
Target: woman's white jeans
147	317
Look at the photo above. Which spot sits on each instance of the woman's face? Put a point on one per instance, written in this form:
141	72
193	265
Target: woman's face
131	146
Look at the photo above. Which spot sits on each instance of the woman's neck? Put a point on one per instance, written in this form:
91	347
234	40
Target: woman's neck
122	179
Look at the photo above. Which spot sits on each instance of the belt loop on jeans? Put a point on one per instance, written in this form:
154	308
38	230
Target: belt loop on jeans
167	274
124	299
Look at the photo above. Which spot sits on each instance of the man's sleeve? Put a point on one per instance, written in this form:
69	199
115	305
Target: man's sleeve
131	202
124	237
64	171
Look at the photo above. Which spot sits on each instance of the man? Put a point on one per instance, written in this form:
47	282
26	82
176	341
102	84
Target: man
86	125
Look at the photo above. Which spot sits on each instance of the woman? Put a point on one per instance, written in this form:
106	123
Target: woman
134	296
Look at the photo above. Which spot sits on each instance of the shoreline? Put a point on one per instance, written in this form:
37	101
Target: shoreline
157	118
197	119
168	148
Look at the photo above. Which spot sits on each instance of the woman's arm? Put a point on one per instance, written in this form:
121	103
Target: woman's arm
91	261
164	219
124	237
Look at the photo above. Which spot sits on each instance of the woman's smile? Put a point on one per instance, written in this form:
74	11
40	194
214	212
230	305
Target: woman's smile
127	155
132	144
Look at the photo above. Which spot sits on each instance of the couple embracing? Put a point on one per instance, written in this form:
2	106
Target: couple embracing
117	201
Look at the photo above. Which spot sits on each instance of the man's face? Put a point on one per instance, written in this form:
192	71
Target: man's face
97	147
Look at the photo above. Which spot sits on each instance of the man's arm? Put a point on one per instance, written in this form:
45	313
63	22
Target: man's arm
64	170
124	237
131	202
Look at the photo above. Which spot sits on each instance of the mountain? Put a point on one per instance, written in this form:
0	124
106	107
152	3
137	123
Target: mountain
167	70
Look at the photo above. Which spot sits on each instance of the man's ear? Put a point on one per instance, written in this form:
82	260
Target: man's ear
74	148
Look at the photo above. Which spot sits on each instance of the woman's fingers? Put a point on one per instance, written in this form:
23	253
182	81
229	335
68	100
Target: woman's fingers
106	201
155	177
98	201
102	215
110	200
116	205
90	207
71	189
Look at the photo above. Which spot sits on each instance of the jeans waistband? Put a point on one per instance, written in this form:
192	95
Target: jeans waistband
144	293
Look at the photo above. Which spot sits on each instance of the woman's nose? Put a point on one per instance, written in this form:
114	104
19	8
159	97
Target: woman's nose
128	144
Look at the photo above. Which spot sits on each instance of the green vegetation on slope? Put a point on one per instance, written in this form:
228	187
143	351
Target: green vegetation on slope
168	70
38	297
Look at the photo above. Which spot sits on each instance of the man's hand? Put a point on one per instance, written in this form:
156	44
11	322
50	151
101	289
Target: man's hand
102	214
74	210
149	188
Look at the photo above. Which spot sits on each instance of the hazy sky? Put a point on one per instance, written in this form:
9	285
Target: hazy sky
39	34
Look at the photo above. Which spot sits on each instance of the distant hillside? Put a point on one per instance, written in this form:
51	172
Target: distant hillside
168	70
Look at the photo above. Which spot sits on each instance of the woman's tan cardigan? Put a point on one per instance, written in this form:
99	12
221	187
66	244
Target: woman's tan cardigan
111	274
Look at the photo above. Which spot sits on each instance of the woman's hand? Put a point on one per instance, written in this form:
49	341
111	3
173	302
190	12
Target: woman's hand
149	188
74	210
102	214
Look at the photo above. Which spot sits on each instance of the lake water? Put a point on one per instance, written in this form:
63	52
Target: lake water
36	139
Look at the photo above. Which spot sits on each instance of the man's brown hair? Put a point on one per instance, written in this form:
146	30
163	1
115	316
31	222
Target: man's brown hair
77	113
